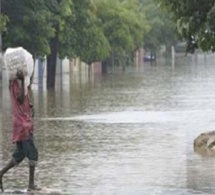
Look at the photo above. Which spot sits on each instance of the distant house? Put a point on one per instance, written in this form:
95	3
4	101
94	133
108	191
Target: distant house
67	67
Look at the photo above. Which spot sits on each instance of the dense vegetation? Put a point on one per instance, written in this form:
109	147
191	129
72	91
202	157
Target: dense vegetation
195	22
94	30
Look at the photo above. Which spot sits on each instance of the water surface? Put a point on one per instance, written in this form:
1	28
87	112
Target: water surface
124	133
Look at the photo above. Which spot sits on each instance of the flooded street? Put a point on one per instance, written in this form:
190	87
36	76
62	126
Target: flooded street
123	133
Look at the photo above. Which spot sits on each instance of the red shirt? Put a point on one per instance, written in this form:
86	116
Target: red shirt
22	120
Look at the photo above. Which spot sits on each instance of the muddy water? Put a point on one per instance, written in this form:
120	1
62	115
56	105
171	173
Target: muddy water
124	133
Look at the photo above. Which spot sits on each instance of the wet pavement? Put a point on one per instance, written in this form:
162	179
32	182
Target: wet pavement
124	133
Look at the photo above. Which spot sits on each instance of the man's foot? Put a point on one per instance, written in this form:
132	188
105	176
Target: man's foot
34	188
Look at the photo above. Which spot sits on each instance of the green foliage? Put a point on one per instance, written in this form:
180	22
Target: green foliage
87	40
27	26
3	22
123	23
195	22
162	29
124	26
61	20
90	29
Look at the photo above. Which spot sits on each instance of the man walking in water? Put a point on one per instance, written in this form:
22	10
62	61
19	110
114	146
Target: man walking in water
22	134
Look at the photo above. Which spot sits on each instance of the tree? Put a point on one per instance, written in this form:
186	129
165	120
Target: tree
162	28
61	11
195	22
27	26
64	28
90	29
37	25
77	34
89	41
123	25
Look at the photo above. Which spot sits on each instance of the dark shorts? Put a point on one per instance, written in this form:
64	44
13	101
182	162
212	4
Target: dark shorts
26	149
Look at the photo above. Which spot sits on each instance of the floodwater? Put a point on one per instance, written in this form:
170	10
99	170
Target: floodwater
129	132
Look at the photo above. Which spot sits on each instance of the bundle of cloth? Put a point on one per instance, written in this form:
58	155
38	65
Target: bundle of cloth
19	59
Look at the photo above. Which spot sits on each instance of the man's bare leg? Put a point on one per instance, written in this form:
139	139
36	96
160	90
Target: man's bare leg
31	184
10	165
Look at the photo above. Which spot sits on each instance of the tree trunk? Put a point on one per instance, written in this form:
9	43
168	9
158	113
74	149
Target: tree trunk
113	61
52	61
104	66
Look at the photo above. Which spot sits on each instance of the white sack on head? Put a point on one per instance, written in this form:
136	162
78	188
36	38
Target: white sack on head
19	59
30	67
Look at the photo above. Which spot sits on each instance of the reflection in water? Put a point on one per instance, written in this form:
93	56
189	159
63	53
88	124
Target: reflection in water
126	133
